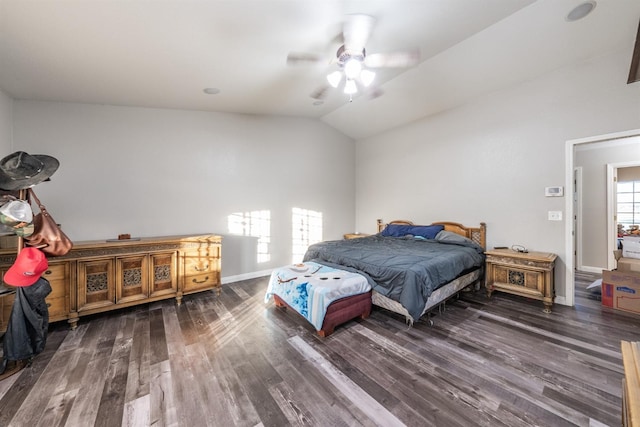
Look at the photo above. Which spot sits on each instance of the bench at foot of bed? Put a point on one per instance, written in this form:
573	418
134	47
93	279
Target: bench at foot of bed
340	311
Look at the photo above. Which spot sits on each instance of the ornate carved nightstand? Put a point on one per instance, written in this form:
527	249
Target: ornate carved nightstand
526	274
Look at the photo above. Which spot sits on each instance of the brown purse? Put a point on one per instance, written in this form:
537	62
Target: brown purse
47	235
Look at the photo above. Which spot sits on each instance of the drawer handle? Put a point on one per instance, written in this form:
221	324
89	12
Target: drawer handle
205	268
47	272
205	279
48	304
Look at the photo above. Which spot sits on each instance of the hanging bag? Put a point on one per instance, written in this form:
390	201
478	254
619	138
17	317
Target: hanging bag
47	235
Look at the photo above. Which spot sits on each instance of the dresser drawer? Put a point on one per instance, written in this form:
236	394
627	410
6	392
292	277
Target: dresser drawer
58	299
518	278
57	275
198	265
58	308
6	304
201	281
206	250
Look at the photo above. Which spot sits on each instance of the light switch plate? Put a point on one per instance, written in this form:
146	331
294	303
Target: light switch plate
555	215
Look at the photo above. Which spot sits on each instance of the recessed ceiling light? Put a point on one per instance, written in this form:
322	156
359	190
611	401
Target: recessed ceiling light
211	90
581	10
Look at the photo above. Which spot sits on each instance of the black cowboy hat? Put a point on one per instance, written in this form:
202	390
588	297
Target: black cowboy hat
23	170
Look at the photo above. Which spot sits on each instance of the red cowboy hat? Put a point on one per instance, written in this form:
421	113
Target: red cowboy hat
29	266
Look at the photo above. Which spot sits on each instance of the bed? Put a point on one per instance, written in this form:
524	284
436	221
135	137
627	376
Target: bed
411	268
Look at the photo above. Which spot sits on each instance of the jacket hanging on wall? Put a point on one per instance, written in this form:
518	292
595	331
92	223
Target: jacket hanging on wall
26	333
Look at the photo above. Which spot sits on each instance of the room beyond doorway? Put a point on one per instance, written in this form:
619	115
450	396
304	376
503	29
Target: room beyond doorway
596	189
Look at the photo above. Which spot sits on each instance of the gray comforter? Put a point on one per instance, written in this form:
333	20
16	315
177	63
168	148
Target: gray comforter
404	269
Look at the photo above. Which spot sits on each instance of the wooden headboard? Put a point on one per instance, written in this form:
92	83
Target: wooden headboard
477	234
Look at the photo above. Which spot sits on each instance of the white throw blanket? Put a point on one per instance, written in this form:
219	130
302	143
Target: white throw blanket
310	287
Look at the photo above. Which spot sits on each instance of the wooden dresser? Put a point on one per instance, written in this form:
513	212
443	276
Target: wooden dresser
97	276
631	384
529	274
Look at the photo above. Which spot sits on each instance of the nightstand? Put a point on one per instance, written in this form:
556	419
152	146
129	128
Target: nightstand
527	274
355	235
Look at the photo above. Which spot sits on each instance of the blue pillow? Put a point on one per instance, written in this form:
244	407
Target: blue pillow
401	230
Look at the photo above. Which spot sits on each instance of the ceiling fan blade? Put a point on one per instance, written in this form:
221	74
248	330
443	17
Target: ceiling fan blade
356	31
393	59
295	58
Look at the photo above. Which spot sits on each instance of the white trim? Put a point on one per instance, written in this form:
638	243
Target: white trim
611	210
577	194
560	300
589	269
246	276
568	255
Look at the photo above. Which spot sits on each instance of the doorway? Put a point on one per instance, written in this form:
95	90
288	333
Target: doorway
614	173
627	137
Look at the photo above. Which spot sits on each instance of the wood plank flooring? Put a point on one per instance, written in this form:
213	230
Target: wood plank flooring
235	361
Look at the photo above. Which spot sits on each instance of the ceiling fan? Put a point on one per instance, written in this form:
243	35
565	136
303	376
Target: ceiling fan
352	62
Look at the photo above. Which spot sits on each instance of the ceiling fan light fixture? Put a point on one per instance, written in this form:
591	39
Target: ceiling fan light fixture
334	78
366	77
350	87
352	68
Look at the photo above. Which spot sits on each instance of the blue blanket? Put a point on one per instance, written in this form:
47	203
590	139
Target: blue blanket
404	269
310	287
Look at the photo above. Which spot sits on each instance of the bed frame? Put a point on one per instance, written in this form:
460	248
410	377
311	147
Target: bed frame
477	234
339	311
442	294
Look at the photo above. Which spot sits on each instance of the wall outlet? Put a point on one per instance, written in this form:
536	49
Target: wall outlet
555	215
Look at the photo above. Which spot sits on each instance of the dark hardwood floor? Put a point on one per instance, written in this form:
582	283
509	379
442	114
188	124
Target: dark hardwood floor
234	360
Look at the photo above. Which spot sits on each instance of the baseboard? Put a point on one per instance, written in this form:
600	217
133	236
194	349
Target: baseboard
246	276
560	300
587	269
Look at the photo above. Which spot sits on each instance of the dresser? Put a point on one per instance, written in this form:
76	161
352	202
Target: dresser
631	384
97	276
528	274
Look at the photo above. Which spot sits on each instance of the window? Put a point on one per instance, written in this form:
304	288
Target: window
255	224
306	230
628	203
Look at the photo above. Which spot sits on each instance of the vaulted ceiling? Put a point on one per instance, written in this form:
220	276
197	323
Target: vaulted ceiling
163	54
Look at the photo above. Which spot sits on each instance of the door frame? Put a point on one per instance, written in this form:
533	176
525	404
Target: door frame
569	226
577	216
612	228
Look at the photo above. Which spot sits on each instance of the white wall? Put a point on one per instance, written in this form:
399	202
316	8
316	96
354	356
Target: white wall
6	105
490	160
151	172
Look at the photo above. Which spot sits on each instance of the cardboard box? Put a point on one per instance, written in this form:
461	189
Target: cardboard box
629	264
621	290
631	247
